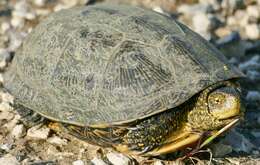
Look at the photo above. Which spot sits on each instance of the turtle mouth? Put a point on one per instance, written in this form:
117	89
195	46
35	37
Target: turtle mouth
190	138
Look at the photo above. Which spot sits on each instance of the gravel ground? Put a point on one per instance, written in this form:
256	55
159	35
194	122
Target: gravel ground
232	25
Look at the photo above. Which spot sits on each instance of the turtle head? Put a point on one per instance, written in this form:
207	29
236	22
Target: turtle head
215	107
224	103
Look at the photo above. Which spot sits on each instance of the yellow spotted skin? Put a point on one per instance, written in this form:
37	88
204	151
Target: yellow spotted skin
198	114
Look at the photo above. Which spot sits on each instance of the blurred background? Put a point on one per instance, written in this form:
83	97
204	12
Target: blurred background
233	26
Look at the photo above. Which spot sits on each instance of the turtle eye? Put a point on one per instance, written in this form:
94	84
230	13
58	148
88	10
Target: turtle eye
215	101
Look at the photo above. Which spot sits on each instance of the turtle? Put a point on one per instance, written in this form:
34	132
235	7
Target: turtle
124	77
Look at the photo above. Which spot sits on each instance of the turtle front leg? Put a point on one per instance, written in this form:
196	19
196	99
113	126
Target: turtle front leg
153	132
29	117
156	135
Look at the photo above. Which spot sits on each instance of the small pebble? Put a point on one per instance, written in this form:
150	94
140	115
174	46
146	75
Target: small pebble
11	124
5	106
16	39
5	26
190	10
253	31
78	162
30	16
6	97
59	7
21	7
220	150
39	3
201	24
251	64
231	37
6	112
253	96
240	144
9	160
6	147
17	22
240	18
232	5
18	131
253	75
38	132
253	11
118	159
97	161
255	152
57	140
256	134
158	162
42	12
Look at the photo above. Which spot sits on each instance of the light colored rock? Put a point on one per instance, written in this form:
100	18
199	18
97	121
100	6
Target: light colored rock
191	10
39	3
17	22
241	18
201	24
6	147
5	106
59	7
253	31
231	21
16	39
118	159
5	115
39	133
223	32
21	6
97	161
6	112
216	5
71	3
253	11
253	96
11	124
6	97
232	5
1	78
5	26
158	162
18	131
8	160
78	162
57	140
30	16
42	12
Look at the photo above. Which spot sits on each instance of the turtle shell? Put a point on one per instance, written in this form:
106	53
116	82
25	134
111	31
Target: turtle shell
112	64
